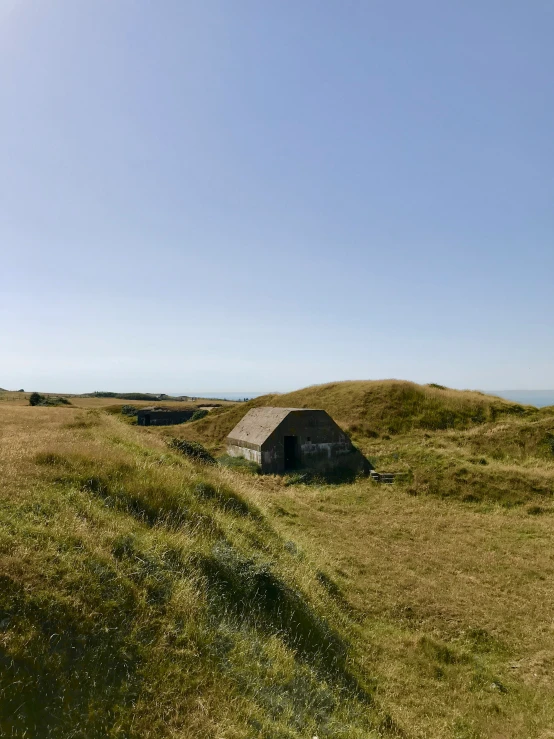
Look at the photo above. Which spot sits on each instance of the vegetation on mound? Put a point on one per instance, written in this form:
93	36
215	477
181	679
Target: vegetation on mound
38	399
395	407
142	595
372	409
199	414
446	443
192	449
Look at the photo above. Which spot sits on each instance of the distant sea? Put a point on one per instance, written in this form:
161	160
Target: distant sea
538	398
221	395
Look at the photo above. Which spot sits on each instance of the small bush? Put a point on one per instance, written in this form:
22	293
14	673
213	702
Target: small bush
129	410
36	399
549	443
192	449
200	413
535	510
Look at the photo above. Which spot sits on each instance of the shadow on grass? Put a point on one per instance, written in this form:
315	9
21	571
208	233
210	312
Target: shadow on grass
251	592
192	449
121	487
43	690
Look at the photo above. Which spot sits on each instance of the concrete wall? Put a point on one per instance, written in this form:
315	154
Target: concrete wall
322	445
253	455
163	418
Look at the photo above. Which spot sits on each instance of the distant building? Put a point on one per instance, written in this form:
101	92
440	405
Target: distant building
284	439
162	416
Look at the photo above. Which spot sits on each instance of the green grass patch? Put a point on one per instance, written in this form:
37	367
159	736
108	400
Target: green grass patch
239	464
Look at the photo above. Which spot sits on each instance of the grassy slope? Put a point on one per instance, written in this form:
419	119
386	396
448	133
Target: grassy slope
440	582
369	408
144	596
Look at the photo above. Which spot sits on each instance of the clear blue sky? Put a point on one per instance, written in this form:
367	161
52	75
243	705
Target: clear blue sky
265	194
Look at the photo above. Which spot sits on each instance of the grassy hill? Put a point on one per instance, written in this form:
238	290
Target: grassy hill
373	408
146	595
449	443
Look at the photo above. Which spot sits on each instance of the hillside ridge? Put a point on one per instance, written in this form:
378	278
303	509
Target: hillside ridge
370	408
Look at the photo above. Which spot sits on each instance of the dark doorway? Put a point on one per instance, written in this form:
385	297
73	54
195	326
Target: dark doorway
147	420
291	452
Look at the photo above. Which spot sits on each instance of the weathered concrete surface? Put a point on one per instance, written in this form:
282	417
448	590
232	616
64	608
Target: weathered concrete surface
162	416
253	455
314	441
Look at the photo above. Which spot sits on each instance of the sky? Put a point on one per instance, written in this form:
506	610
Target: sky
261	195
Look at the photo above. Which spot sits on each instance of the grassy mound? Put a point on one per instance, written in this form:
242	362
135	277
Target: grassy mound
393	407
372	408
142	595
38	399
447	443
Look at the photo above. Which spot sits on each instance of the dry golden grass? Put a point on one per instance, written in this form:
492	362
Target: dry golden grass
107	402
454	603
371	408
137	597
442	583
78	401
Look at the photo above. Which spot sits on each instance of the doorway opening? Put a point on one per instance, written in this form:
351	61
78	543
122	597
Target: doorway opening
292	459
147	420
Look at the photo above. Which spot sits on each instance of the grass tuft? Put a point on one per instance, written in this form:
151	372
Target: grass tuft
239	464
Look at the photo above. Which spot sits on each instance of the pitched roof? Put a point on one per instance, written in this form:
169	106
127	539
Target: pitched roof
259	423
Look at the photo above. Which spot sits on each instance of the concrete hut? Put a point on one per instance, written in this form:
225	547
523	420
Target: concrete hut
284	439
162	416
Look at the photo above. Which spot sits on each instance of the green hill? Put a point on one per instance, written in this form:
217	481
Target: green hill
449	443
371	408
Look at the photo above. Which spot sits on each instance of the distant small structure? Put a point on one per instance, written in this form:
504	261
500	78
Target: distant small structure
158	416
284	439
